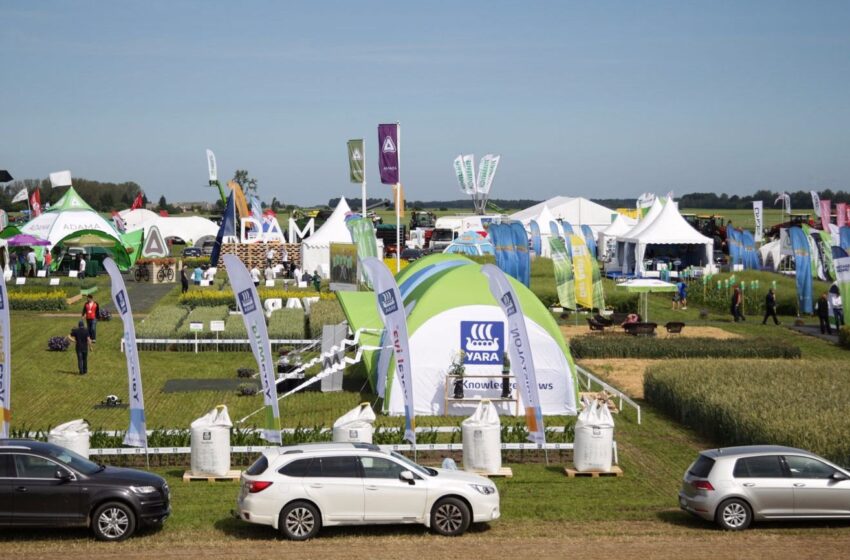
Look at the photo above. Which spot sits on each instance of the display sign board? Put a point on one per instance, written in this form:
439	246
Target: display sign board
344	266
20	281
72	273
54	281
216	326
196	327
41	274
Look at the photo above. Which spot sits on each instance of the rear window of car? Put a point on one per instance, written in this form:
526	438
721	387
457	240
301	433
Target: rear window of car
766	466
296	468
702	466
259	466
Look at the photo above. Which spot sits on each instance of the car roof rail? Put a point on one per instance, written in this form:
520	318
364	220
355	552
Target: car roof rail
367	446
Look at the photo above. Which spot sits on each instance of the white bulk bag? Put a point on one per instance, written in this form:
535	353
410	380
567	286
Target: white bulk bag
594	442
482	439
355	425
211	443
73	435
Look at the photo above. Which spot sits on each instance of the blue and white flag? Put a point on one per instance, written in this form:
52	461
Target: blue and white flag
803	265
520	250
536	244
227	228
519	350
258	335
589	240
137	435
394	317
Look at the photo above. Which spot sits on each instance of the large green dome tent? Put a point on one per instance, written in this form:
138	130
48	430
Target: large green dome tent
449	309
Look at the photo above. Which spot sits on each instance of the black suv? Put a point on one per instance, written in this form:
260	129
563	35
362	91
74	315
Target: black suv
44	484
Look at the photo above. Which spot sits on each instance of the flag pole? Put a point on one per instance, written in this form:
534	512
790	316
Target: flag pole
363	183
398	200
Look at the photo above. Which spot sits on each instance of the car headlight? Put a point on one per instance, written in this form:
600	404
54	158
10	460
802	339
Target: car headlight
143	489
486	490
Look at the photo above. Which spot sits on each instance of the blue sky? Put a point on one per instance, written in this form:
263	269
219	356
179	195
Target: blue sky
602	99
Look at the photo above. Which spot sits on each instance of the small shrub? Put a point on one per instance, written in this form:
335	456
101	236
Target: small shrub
844	336
58	344
621	301
55	300
103	314
245	372
703	314
592	346
248	390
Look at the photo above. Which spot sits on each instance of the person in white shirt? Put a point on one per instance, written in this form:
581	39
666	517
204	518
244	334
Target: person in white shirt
269	274
270	257
82	268
31	263
209	274
255	276
837	309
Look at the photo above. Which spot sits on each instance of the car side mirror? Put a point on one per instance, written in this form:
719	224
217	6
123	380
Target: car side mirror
63	475
407	476
838	476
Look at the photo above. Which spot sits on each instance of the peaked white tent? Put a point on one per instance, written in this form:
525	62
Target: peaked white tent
543	220
190	229
69	215
606	241
578	211
625	250
668	228
316	249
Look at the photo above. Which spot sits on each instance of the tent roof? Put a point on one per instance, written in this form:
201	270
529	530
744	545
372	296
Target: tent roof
650	216
471	243
544	218
71	200
621	225
186	228
669	227
577	211
334	230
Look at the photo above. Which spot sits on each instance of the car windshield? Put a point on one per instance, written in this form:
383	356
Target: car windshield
76	462
418	469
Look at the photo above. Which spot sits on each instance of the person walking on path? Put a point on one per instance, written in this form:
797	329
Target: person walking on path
270	257
184	280
822	310
31	263
683	294
770	307
48	260
90	313
737	305
317	281
837	309
80	336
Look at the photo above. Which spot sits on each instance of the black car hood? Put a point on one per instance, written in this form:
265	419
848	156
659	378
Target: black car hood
131	477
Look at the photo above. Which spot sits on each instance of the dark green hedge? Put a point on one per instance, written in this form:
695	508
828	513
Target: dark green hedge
624	346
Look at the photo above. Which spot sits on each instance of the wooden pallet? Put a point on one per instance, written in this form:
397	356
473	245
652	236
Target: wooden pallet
229	477
506	472
572	473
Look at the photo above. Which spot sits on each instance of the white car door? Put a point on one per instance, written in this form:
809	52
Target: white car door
335	484
388	499
816	492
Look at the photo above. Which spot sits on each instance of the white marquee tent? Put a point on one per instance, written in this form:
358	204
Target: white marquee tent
668	228
315	250
577	211
191	229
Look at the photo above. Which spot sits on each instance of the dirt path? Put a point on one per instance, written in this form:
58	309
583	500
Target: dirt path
599	540
689	331
625	374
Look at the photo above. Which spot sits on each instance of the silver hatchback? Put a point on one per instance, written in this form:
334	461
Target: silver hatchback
735	485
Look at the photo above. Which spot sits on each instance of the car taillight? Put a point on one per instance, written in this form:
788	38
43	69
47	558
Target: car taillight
258	486
703	485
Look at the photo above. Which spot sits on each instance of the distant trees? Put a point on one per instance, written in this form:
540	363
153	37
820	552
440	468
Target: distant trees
248	184
102	196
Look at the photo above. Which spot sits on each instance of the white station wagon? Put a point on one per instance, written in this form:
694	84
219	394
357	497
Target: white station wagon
300	489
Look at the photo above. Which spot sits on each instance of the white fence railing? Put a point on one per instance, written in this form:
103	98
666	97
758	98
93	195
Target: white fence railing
590	379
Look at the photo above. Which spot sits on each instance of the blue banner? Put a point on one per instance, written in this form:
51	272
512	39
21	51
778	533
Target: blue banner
751	256
733	243
844	232
554	230
568	229
536	245
803	262
589	240
503	242
523	259
227	229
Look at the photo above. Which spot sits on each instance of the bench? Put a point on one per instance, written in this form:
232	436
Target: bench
595	325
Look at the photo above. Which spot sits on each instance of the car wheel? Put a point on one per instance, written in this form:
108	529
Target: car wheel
300	521
450	517
734	515
113	521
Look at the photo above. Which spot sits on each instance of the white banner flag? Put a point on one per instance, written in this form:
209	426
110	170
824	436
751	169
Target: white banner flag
816	203
645	200
391	310
213	170
469	172
5	364
60	179
486	172
758	216
519	349
255	323
136	436
461	175
20	196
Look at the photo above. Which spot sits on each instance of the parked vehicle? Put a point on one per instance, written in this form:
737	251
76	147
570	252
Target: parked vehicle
735	486
410	254
298	490
42	484
192	252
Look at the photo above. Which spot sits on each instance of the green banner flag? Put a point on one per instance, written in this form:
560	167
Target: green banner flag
356	160
564	281
598	290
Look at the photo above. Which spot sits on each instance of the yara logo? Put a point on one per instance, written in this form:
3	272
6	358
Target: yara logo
508	303
388	302
482	341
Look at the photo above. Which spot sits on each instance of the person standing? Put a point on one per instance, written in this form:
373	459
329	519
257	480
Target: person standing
255	276
837	309
770	307
90	314
198	275
822	310
184	280
48	261
82	266
80	336
683	293
31	263
270	257
317	281
737	305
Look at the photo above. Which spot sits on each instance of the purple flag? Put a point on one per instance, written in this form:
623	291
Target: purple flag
388	153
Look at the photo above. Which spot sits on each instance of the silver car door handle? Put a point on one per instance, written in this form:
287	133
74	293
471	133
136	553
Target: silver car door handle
749	484
315	485
370	487
798	485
